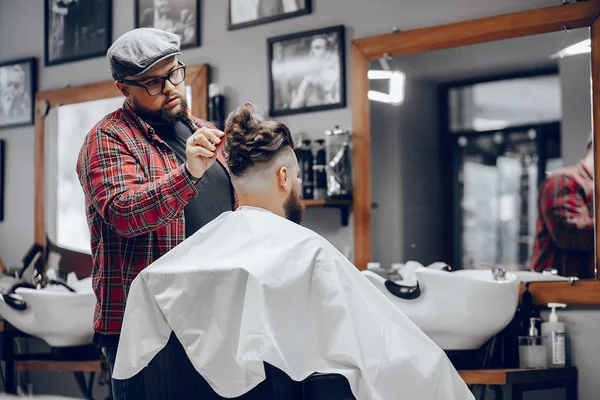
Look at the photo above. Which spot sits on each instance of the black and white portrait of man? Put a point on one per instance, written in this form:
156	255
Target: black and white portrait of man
77	29
243	13
307	71
175	16
16	93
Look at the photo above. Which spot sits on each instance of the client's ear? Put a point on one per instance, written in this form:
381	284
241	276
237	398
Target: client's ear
283	179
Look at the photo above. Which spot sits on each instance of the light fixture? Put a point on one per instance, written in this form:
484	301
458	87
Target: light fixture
395	93
578	48
396	82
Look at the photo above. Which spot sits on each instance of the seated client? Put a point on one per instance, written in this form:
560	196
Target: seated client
253	286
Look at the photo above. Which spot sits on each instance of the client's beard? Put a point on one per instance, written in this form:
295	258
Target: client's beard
162	116
294	207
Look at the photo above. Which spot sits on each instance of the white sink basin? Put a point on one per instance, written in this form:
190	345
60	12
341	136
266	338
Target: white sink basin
458	310
59	317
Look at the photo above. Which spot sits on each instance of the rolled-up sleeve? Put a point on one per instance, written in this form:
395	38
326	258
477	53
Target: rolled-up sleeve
115	184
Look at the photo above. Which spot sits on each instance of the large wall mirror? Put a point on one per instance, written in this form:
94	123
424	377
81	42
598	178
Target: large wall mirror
463	154
460	125
63	119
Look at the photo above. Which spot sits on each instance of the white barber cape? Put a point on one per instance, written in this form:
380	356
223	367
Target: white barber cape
251	286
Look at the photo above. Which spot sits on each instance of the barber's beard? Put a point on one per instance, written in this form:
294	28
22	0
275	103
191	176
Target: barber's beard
294	207
163	116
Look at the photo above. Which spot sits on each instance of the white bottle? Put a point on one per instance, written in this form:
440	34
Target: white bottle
554	332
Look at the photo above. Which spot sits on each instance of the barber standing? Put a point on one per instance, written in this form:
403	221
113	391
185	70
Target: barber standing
149	172
564	237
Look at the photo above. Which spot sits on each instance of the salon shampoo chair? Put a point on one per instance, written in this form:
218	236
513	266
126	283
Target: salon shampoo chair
171	375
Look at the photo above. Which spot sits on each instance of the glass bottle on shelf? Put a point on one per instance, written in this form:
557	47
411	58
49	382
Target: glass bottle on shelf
339	162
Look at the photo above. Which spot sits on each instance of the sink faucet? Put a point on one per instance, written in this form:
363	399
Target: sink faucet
498	272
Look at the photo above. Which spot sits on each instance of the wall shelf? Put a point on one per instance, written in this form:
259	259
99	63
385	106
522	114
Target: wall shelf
524	380
343	204
77	367
42	364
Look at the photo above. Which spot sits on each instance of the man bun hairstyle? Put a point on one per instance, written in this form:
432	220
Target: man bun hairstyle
251	141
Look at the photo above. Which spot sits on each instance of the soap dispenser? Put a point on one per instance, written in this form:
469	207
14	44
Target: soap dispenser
532	348
554	333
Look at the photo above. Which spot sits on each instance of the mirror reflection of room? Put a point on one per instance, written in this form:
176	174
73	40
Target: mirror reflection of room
482	155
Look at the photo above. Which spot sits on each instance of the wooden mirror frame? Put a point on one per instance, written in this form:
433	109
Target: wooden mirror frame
196	77
526	23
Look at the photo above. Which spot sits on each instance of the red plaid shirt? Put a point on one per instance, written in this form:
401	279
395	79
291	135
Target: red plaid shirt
135	193
565	227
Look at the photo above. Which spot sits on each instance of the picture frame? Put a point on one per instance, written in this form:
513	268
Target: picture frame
2	177
246	13
18	84
75	31
181	17
307	71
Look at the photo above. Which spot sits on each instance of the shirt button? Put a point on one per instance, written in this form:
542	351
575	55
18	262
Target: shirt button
190	196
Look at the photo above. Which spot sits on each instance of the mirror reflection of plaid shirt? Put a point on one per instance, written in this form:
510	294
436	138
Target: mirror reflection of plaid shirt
565	226
135	193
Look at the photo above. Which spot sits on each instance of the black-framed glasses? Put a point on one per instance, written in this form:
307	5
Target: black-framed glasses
157	85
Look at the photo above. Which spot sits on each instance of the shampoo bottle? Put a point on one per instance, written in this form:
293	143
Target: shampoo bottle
554	332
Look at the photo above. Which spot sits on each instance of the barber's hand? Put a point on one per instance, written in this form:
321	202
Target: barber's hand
200	150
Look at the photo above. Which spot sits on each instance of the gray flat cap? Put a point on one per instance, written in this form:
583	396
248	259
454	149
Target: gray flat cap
138	50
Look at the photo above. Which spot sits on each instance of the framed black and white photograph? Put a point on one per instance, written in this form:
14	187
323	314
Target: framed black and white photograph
307	71
76	30
244	13
181	17
18	81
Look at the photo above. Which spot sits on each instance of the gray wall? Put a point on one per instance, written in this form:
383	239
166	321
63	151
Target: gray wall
21	27
576	106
